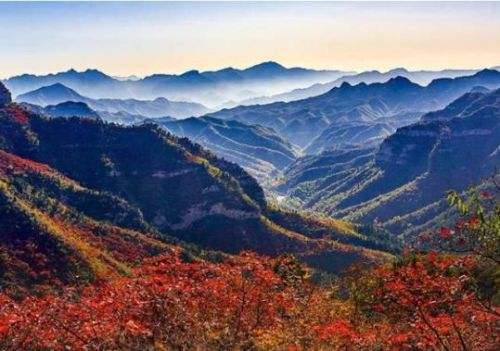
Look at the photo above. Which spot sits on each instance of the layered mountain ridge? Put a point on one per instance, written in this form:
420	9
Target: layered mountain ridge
141	186
373	111
256	148
159	107
210	88
453	148
380	154
419	77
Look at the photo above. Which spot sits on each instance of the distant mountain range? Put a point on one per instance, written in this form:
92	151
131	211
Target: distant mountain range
360	115
419	77
82	110
211	88
401	185
263	83
160	107
256	148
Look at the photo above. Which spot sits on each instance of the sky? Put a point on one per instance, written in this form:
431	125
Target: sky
143	38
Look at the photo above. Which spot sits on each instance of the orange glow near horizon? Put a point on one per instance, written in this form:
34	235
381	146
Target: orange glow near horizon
139	38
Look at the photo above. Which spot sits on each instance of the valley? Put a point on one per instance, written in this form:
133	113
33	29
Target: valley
249	176
357	152
120	194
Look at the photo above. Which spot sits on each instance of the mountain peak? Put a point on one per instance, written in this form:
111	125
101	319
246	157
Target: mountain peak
71	109
49	95
486	73
399	81
56	86
228	69
399	71
161	99
191	73
93	71
268	65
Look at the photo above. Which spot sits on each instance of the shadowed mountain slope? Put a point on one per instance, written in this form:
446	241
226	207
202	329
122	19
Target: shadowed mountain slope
177	187
413	168
257	149
373	110
54	232
368	77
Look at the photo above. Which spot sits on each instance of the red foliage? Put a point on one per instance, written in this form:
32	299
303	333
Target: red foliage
169	302
341	328
10	163
486	195
430	305
17	114
445	233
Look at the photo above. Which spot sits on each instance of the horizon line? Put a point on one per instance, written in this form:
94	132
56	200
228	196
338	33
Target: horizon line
241	68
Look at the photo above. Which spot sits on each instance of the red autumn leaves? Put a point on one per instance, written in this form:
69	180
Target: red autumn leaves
422	303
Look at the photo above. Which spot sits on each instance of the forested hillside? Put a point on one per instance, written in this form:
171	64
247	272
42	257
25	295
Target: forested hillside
402	183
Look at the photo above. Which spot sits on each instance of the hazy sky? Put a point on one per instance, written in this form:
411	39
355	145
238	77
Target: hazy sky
142	38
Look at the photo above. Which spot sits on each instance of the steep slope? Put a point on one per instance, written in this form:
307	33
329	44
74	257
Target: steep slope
257	149
179	188
159	107
53	231
410	173
377	108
